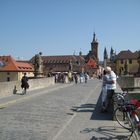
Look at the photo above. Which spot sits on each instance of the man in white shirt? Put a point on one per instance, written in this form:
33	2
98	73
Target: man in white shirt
110	85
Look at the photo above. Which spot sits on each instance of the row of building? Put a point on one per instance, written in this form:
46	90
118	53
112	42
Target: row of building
125	62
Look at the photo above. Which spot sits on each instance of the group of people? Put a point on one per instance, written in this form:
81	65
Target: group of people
108	88
71	77
60	78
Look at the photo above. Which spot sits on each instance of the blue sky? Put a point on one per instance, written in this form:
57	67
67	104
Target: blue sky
62	27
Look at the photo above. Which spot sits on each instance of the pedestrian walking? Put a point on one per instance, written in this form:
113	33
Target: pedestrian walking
81	77
75	78
70	77
86	77
24	83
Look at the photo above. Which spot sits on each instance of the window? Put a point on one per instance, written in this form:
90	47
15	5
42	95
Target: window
121	61
8	73
77	62
130	61
8	78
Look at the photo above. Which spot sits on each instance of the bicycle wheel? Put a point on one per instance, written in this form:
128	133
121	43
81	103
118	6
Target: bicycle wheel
135	122
123	118
136	134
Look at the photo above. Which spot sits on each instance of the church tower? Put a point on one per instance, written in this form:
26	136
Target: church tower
105	57
112	55
94	47
93	53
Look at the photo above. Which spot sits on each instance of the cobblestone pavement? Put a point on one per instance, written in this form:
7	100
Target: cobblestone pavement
59	112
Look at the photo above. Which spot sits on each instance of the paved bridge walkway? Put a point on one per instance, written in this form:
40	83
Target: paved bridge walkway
59	112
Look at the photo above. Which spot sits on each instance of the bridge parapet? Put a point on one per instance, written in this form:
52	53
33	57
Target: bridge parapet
129	83
7	88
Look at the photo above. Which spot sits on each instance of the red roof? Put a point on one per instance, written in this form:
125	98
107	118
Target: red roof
92	63
62	59
7	63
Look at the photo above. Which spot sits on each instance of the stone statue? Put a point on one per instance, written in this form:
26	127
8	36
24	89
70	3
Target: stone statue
38	65
70	66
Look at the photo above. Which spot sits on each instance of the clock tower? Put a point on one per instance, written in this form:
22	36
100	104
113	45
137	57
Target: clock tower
94	47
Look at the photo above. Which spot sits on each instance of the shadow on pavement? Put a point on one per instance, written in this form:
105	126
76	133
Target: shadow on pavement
84	108
111	138
95	109
97	115
108	132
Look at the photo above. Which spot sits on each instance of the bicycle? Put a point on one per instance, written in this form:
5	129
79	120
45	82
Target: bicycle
126	114
120	98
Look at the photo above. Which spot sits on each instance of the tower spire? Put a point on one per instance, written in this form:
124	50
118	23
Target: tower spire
105	54
94	37
105	57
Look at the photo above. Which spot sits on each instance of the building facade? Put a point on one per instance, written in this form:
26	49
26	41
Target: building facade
12	70
123	63
127	63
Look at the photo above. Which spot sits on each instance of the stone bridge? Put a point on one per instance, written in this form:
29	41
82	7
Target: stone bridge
58	112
